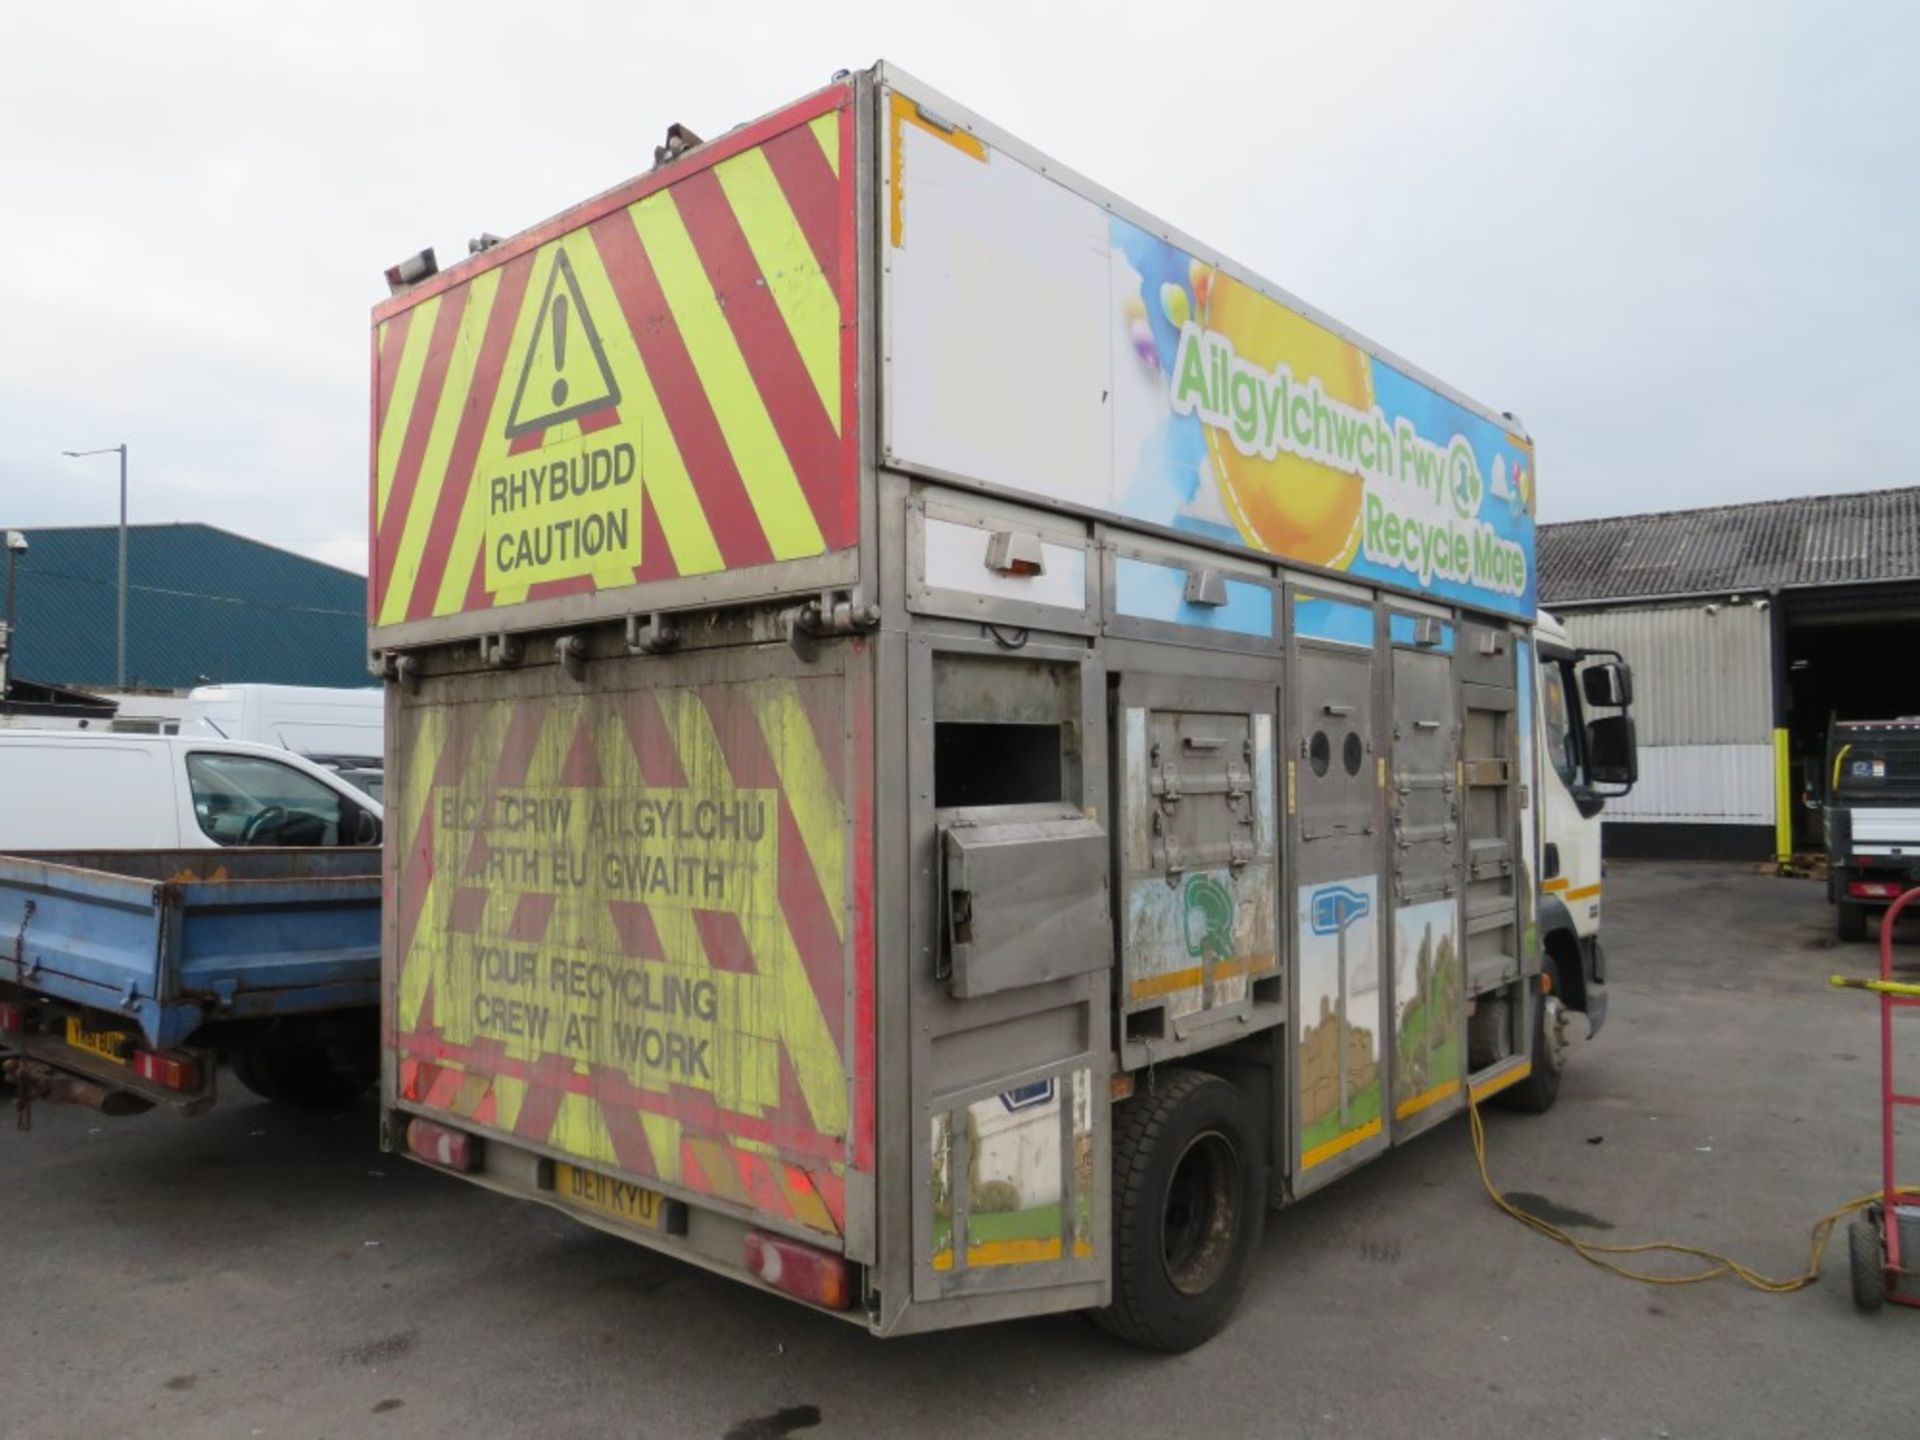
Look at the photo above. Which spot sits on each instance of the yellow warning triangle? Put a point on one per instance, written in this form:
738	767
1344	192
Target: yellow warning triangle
564	373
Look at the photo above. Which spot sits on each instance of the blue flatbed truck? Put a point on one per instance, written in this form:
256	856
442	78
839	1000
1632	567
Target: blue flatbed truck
127	977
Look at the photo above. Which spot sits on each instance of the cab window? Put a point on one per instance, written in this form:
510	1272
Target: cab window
1557	722
250	800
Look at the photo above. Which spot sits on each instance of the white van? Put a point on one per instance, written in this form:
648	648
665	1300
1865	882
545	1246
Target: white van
343	730
75	790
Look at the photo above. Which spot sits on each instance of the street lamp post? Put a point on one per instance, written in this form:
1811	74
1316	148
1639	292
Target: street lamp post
120	626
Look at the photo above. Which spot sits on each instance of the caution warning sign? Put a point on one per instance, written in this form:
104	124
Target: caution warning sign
658	385
564	374
564	497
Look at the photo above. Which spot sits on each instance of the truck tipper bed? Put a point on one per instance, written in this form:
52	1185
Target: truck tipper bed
126	976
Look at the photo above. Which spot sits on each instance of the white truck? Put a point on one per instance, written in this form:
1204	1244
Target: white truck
338	728
951	745
1871	817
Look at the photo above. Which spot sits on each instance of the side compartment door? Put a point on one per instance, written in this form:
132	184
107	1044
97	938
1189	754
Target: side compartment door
1013	953
1195	797
1428	976
1334	802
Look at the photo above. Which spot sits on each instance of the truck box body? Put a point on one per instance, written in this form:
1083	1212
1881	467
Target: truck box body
889	643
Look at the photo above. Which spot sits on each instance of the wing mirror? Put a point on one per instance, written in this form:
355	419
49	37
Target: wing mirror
1608	685
1612	754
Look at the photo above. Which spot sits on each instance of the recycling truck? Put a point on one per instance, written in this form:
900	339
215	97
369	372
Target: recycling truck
947	745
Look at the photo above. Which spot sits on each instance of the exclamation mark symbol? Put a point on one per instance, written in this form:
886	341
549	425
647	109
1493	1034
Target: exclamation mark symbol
560	349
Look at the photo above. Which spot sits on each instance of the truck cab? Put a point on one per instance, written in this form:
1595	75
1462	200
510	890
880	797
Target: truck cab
1587	755
1871	816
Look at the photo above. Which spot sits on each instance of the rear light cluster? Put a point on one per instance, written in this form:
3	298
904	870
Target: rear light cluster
442	1145
12	1018
170	1071
1874	889
800	1270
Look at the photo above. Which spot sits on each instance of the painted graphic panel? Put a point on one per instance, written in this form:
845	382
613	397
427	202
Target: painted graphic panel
1149	383
1429	1010
1271	432
1338	945
1013	1174
1198	852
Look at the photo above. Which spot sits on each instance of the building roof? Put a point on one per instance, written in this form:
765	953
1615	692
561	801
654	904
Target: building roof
203	605
1815	540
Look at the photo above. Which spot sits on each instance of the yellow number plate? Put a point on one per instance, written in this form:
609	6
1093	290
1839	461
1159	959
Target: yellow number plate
593	1191
107	1044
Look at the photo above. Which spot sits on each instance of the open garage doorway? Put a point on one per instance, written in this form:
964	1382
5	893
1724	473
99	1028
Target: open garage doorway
1851	653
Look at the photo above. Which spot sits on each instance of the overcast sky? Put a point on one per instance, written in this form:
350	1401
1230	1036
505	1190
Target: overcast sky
1679	240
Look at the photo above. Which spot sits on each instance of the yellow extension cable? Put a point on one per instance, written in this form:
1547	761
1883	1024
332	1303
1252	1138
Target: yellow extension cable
1717	1264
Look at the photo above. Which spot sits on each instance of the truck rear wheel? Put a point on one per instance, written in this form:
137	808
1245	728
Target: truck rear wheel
307	1066
1849	921
1189	1207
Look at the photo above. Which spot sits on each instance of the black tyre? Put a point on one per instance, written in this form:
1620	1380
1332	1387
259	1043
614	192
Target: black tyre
1189	1207
1849	921
307	1067
1867	1263
1537	1093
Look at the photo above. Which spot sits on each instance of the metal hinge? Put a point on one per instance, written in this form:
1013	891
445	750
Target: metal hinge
651	634
831	614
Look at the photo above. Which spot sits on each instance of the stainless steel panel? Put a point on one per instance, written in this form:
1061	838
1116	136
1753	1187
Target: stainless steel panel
1335	783
1026	897
971	1058
1423	792
1338	1070
952	1043
1196	788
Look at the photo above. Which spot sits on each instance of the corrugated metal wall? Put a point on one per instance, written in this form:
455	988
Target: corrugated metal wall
1699	678
1702	705
1700	785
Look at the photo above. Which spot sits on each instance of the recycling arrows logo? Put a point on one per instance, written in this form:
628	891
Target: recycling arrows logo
564	374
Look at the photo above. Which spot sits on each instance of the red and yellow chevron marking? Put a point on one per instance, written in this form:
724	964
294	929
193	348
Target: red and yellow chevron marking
658	383
621	931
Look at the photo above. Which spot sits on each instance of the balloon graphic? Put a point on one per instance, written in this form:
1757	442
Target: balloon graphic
1141	333
1200	276
1173	302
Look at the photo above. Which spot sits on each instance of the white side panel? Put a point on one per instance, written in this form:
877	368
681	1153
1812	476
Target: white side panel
1706	784
1013	389
88	793
956	559
1890	827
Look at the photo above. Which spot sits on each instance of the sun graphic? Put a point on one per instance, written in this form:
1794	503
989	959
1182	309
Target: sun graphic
1286	505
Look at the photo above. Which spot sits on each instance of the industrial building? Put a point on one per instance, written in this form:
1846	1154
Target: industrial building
203	606
1749	627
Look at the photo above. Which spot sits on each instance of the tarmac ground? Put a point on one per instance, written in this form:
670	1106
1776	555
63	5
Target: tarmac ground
261	1272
